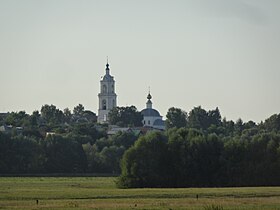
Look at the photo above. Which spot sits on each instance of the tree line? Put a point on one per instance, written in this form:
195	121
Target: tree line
198	148
190	158
56	141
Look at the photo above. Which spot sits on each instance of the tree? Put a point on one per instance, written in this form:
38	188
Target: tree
90	116
204	162
125	116
64	155
33	126
214	117
110	158
198	118
84	130
35	118
20	154
124	139
178	155
93	159
67	115
201	119
17	118
79	110
144	164
228	127
272	123
239	126
176	117
52	115
101	143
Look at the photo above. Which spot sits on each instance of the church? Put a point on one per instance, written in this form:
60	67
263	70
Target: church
107	96
108	100
151	117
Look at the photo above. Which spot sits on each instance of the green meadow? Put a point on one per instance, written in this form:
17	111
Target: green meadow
101	193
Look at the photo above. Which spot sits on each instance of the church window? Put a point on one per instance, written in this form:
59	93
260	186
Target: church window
112	88
114	103
104	105
104	89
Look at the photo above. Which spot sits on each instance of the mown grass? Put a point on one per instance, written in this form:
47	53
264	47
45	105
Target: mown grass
101	193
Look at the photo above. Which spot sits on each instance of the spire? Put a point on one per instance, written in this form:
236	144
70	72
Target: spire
149	102
107	67
149	97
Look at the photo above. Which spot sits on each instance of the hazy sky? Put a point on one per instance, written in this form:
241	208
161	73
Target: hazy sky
213	53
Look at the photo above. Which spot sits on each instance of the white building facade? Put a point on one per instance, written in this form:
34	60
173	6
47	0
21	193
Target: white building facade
107	96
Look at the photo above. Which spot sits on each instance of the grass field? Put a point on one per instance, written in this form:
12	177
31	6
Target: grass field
101	193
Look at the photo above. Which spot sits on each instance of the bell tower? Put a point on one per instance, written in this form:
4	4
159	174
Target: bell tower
107	96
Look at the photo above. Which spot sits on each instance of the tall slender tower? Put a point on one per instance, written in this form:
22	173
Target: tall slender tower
107	96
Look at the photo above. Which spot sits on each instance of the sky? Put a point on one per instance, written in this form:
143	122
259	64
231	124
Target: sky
208	53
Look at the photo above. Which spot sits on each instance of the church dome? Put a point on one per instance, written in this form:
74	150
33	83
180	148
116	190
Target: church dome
150	113
107	77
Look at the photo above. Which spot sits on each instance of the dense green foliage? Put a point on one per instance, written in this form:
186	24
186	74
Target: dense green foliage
190	158
52	141
176	117
125	116
199	148
144	164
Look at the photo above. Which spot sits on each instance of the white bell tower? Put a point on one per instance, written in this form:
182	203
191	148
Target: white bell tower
107	96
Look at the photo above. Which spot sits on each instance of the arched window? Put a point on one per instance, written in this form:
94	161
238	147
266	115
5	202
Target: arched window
104	89
104	105
113	89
